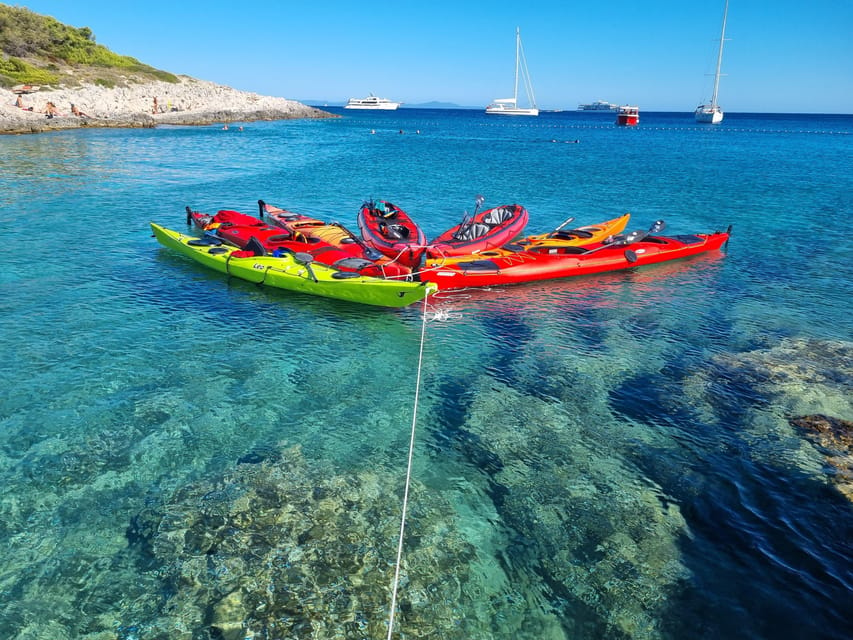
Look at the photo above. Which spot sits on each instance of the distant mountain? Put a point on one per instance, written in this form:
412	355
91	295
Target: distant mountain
435	105
37	49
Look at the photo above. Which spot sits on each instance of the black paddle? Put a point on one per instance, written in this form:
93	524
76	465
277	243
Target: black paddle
630	255
564	223
628	238
306	259
478	201
369	252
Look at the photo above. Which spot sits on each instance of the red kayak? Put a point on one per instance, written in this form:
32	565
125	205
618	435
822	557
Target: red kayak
542	263
485	230
389	229
241	229
333	233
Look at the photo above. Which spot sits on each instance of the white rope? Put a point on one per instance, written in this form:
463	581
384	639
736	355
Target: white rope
408	476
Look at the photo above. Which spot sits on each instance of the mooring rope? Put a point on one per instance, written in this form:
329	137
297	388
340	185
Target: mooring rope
408	475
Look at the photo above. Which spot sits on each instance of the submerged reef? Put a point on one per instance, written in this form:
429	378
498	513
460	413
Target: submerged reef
801	382
834	438
288	549
800	375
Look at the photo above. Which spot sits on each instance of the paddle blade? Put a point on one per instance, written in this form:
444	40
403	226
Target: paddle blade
657	226
630	256
635	236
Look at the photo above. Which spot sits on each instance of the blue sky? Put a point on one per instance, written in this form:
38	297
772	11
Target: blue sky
780	56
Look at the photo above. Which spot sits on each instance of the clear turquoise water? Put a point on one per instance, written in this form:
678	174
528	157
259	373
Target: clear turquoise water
607	457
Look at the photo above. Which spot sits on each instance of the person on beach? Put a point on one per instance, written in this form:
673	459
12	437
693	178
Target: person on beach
76	112
50	110
155	108
19	102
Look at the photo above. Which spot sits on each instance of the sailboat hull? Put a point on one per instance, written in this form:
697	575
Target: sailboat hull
709	115
511	111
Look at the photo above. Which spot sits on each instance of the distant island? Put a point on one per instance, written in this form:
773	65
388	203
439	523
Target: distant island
54	76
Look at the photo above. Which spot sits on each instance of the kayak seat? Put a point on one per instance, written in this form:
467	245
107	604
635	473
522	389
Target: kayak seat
352	264
472	231
497	216
571	234
205	241
394	231
254	245
685	239
478	265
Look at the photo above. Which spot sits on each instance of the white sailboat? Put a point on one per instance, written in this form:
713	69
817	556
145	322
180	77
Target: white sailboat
509	106
711	112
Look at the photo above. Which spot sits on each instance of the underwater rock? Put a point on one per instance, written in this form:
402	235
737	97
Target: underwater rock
834	437
601	539
285	548
804	375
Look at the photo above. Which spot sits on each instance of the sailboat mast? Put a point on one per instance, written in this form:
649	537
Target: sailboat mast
517	51
720	57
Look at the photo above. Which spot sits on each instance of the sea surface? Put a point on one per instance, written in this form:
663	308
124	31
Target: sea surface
622	456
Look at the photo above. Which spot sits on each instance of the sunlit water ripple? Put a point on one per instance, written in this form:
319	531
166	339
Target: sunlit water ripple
605	457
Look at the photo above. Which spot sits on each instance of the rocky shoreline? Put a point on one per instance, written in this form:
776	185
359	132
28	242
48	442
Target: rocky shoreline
188	102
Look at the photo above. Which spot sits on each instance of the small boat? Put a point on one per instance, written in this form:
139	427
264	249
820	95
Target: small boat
628	116
560	237
509	106
388	229
241	230
711	113
635	249
372	102
599	105
293	271
485	230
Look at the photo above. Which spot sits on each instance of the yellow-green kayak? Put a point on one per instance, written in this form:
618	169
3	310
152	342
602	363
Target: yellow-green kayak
294	272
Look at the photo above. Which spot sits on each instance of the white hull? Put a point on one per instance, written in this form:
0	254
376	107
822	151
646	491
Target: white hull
375	107
708	114
512	111
372	102
600	106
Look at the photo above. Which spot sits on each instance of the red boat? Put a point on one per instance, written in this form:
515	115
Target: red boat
331	232
485	230
542	263
241	229
628	116
389	229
